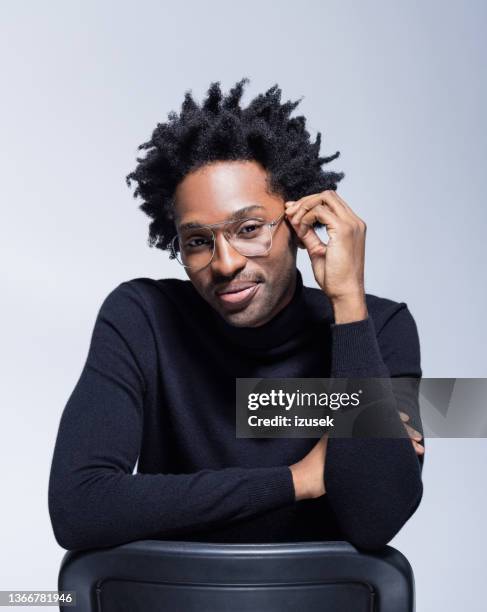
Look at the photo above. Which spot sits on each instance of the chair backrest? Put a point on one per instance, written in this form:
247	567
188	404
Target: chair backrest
158	575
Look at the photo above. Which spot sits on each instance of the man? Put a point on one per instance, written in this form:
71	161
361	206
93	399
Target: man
232	193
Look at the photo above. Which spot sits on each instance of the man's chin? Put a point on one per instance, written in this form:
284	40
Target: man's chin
243	312
248	316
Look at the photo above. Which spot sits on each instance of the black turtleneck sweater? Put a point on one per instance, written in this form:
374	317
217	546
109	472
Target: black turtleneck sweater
158	387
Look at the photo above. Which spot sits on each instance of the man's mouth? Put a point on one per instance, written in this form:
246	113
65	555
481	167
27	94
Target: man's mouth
238	293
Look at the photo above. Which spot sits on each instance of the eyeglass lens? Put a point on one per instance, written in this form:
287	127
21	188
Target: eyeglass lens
195	247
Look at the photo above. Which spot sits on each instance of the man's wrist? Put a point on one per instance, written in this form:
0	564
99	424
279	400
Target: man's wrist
349	309
300	488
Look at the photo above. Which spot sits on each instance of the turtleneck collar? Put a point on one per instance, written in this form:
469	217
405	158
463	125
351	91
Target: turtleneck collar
288	322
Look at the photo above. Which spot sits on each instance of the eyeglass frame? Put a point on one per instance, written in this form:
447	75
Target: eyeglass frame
270	224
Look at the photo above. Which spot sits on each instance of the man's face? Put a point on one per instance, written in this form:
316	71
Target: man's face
214	193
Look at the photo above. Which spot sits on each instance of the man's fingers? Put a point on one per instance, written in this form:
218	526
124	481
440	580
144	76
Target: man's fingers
306	233
418	448
338	206
413	433
312	242
301	208
331	199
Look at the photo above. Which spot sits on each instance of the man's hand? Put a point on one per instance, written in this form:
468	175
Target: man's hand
413	434
309	472
338	265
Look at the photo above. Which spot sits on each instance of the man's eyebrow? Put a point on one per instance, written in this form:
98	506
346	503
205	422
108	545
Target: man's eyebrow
241	213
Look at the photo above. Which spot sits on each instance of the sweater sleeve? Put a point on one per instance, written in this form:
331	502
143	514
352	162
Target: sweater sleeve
94	498
374	485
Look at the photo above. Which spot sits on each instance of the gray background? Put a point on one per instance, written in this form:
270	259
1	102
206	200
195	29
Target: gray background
398	87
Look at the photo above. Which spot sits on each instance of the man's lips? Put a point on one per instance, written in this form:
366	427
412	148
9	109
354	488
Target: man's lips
244	293
240	286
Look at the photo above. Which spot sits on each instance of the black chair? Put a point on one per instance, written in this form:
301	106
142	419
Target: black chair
155	575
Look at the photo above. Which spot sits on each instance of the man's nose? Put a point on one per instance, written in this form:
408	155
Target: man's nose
226	260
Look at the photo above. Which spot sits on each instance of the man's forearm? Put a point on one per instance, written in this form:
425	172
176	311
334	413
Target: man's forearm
373	485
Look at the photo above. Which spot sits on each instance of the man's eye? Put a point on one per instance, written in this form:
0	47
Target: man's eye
249	229
195	243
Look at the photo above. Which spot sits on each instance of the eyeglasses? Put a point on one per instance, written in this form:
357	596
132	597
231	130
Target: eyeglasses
194	248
